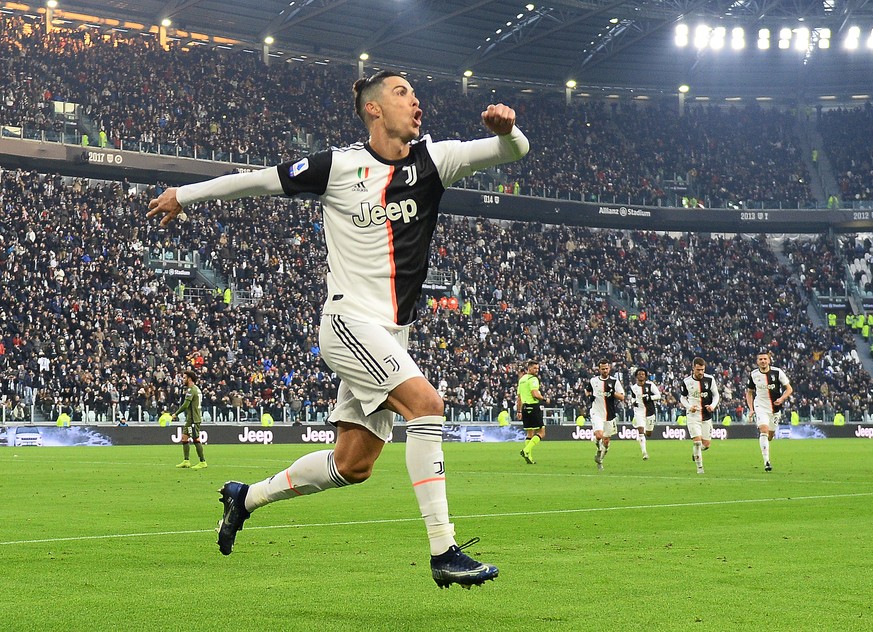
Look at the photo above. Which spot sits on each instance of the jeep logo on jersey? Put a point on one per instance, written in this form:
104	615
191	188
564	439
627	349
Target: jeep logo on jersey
403	210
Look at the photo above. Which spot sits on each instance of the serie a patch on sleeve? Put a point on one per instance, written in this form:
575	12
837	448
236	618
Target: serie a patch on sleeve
298	167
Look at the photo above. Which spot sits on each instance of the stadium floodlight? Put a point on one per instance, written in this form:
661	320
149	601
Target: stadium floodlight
529	7
738	38
364	56
166	22
701	36
684	88
824	37
764	34
801	38
870	41
852	37
468	73
269	40
52	4
784	43
716	38
763	44
571	83
681	35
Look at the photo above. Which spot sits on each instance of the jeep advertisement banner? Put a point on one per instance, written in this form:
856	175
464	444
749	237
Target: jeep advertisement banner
52	436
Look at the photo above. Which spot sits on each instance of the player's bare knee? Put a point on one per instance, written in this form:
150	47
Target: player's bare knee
355	473
433	405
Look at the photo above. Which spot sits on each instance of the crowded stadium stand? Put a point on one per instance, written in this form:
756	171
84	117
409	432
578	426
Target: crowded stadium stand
102	309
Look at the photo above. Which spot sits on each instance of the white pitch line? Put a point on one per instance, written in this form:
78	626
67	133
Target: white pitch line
513	514
263	463
690	478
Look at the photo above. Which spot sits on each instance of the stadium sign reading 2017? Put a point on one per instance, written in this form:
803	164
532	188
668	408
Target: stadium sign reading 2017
104	158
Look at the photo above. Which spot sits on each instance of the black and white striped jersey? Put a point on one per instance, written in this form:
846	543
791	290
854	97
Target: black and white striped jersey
768	388
379	219
700	394
643	398
601	394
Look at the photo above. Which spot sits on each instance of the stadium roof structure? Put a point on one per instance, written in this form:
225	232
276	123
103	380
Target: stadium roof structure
607	45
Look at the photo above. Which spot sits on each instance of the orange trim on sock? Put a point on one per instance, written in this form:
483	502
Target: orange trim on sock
290	484
429	480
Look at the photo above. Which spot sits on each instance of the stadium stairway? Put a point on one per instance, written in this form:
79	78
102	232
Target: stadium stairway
864	353
775	244
817	317
210	277
823	182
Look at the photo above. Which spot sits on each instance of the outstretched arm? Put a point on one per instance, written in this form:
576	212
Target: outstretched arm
508	145
457	159
230	187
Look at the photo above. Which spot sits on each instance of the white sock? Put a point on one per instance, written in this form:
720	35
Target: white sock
311	473
764	441
426	467
642	439
697	451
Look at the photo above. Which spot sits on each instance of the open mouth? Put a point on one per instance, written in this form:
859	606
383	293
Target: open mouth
416	118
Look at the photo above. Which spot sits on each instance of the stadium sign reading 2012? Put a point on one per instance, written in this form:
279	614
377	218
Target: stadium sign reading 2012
104	158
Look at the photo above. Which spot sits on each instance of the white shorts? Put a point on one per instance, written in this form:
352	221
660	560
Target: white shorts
641	421
767	418
699	428
371	361
607	426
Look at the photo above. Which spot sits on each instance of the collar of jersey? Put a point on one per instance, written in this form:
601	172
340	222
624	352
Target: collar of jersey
385	161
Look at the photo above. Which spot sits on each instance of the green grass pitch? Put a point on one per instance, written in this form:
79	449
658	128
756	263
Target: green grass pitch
119	539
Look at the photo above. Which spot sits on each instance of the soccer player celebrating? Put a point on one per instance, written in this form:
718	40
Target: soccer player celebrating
380	201
699	397
643	395
767	390
604	391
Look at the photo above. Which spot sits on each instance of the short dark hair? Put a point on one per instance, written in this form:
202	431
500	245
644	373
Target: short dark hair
530	363
761	352
698	361
640	370
192	375
603	361
365	88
